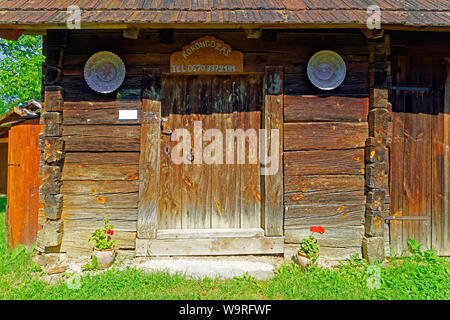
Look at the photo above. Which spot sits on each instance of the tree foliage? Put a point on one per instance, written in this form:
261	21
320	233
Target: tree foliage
20	71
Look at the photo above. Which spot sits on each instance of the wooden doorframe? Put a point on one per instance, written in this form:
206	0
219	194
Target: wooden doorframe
273	207
272	185
445	218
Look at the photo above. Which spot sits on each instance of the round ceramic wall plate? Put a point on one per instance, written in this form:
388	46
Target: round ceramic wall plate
326	70
104	72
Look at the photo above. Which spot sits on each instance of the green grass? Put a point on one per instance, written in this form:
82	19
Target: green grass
417	277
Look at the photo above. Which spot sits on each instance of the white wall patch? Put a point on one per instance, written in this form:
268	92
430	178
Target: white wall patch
128	114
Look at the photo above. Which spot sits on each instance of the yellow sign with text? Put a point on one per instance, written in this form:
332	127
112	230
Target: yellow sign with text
207	55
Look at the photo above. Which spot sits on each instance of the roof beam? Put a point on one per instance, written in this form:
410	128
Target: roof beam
11	34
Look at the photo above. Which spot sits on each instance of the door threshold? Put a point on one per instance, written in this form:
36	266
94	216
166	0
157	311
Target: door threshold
167	234
211	246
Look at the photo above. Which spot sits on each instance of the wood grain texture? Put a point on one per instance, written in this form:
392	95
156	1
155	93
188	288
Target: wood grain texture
440	219
113	173
101	138
249	95
333	215
323	183
109	187
101	166
196	187
325	108
192	193
324	135
347	236
169	200
223	175
218	246
328	255
210	233
91	112
92	218
312	162
23	183
149	158
273	179
417	185
74	242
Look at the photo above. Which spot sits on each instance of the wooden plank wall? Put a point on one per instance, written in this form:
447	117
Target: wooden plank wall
324	133
324	138
419	189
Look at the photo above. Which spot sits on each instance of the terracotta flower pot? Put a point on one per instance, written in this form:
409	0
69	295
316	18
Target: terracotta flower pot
303	260
105	258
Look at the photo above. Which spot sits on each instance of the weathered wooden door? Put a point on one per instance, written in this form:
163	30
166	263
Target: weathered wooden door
418	156
23	183
203	189
198	194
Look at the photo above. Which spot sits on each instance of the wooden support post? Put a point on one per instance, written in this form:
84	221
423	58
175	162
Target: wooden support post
130	34
441	168
51	144
377	145
253	33
149	158
272	180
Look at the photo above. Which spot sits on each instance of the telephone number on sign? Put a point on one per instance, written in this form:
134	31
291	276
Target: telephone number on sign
204	68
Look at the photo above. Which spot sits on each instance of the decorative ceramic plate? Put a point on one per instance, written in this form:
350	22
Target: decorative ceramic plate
104	72
326	70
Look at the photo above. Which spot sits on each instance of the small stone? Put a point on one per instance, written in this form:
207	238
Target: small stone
51	234
57	269
373	249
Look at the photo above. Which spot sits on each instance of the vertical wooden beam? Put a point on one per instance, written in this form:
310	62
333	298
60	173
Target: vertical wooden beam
8	194
272	184
150	150
446	215
52	146
441	226
377	144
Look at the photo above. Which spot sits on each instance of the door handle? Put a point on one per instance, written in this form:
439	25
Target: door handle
13	164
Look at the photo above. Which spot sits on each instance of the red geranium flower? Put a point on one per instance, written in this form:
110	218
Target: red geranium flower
318	229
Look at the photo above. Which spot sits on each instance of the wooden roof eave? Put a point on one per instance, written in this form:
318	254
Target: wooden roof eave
26	112
42	28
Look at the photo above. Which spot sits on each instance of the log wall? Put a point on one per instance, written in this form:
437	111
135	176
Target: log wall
324	133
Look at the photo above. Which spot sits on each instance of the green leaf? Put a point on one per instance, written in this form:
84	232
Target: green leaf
20	71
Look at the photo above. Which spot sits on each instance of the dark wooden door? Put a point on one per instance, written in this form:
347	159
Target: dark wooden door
198	194
417	155
3	164
23	183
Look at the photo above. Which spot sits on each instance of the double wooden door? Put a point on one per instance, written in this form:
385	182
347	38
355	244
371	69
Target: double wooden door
210	191
419	159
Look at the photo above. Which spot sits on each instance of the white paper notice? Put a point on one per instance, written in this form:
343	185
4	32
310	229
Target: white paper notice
128	114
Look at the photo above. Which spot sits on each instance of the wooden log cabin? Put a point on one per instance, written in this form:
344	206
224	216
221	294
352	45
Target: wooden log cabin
367	160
